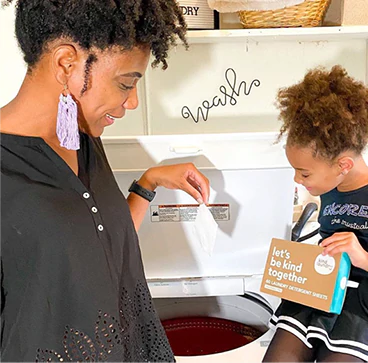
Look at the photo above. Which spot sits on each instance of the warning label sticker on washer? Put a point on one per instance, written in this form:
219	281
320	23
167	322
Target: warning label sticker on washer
187	212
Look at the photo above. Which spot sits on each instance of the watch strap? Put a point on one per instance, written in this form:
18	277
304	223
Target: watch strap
142	192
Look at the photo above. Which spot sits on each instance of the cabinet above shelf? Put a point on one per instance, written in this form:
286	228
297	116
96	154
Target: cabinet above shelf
333	33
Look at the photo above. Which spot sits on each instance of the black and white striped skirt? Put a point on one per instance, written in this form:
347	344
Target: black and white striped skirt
344	333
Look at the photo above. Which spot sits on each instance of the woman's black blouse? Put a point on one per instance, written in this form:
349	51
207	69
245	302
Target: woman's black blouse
72	279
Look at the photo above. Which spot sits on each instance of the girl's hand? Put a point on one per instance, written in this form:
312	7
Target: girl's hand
179	176
346	242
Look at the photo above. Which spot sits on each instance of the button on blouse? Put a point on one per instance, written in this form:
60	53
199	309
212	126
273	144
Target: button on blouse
72	280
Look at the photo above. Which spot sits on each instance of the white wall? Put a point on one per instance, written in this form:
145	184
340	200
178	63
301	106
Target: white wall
12	66
198	75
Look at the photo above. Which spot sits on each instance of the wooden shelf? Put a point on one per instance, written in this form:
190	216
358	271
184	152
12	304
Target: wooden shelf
332	33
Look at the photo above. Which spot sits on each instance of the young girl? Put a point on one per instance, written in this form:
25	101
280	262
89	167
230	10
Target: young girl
326	120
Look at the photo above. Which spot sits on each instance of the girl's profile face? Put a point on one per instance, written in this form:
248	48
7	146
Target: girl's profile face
316	174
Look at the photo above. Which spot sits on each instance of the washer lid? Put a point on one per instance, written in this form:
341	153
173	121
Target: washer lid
250	206
252	202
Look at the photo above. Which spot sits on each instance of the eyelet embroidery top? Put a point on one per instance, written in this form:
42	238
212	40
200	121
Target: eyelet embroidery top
72	280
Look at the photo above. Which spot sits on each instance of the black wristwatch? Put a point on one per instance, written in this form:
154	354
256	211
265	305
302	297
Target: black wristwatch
142	192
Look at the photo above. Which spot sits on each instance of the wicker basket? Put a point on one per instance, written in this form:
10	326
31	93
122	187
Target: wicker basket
307	14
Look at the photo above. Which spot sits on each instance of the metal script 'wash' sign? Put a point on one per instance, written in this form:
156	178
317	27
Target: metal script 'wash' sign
198	15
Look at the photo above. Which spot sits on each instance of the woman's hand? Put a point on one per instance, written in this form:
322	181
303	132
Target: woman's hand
178	176
346	242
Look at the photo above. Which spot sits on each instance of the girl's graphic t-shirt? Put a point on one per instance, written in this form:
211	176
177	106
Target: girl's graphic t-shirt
346	212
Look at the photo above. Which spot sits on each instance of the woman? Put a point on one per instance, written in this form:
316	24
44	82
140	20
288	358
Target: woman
73	286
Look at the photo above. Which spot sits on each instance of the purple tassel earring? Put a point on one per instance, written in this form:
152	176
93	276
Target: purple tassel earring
67	124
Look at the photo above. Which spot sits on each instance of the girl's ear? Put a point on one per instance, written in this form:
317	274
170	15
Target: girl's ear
345	163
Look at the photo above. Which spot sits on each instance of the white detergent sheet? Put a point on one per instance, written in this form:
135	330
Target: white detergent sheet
205	229
232	6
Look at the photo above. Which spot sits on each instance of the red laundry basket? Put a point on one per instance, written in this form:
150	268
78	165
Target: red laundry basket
191	336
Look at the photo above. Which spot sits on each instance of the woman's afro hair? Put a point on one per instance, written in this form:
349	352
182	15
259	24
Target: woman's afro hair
99	23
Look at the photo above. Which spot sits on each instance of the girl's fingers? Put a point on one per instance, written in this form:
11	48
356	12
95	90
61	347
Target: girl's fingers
332	249
340	236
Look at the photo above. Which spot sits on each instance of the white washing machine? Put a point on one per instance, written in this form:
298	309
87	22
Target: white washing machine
251	200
